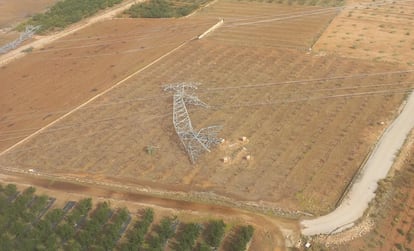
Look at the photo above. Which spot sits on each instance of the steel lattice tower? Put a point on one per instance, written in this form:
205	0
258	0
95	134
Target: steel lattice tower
28	33
195	142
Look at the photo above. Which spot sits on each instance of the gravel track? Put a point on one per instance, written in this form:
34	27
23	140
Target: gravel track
363	190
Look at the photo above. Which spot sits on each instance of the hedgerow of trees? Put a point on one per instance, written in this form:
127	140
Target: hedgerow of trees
136	236
188	236
164	231
215	233
164	8
28	223
67	12
243	236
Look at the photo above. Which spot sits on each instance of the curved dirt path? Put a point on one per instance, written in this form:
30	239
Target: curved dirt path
44	40
363	189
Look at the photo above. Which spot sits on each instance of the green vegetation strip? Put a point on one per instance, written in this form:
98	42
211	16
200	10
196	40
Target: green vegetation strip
242	238
164	8
67	12
27	222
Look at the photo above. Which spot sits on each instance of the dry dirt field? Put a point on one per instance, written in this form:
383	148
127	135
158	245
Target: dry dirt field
310	119
269	24
12	12
7	36
51	81
379	30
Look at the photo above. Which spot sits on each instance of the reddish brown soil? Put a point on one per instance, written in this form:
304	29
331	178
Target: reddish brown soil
51	81
6	37
13	11
378	30
270	25
306	137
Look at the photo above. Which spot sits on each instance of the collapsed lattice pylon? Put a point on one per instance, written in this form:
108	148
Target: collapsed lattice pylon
195	142
28	33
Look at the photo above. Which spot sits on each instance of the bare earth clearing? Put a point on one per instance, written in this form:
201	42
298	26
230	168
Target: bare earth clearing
13	12
379	30
52	80
310	120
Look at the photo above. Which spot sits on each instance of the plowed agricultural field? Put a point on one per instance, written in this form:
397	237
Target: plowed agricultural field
309	120
49	82
272	25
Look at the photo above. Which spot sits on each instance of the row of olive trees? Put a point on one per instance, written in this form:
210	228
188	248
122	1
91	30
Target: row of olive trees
209	235
27	223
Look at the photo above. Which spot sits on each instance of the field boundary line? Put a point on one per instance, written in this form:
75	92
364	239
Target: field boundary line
211	29
94	98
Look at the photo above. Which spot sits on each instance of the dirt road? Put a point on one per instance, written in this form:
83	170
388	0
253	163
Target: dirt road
375	169
42	41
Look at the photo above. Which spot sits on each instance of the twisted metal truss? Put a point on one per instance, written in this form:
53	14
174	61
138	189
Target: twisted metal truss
28	33
195	142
